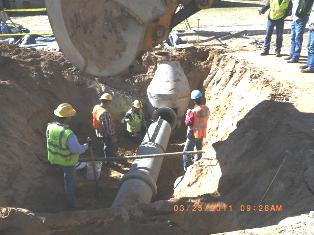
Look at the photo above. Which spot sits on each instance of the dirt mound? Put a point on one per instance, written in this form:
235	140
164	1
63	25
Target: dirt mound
302	224
32	85
254	129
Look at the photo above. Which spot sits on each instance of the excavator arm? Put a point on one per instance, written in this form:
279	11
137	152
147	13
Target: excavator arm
103	37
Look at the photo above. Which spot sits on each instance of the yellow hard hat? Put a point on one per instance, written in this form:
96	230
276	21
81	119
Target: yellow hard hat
137	104
106	96
65	110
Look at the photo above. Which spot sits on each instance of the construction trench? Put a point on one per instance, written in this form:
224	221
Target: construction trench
255	123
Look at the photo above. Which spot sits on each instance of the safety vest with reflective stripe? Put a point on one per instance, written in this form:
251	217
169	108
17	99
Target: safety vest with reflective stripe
58	150
200	116
278	11
134	124
97	112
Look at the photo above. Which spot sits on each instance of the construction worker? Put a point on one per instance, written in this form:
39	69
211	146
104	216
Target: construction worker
309	67
102	124
196	122
134	120
279	10
4	18
64	149
301	11
4	28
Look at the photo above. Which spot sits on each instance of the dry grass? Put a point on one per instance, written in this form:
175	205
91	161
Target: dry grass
39	23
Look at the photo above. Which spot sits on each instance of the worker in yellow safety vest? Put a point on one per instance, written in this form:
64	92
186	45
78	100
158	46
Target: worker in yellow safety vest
102	123
64	149
134	120
278	11
196	122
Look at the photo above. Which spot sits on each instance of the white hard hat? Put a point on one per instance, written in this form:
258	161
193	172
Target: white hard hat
137	104
106	96
196	94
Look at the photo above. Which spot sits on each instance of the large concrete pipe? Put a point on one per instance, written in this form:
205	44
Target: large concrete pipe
139	184
168	93
170	88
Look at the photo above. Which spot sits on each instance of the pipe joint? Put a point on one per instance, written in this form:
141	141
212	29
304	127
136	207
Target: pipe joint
167	114
143	176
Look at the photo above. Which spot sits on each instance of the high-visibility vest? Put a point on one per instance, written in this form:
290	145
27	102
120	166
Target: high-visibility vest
97	112
278	11
58	150
134	124
200	116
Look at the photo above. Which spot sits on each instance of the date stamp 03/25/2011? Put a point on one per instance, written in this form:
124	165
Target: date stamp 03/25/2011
220	207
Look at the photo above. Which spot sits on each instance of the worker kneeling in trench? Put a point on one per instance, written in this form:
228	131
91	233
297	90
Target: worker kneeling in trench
196	122
64	148
135	123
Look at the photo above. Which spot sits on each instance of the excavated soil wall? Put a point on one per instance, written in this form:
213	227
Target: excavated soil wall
253	127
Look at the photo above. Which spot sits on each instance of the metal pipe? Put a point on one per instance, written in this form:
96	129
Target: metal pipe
139	184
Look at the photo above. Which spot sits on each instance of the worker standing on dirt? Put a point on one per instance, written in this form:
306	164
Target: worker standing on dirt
64	149
134	120
196	122
309	67
279	10
4	18
102	124
301	11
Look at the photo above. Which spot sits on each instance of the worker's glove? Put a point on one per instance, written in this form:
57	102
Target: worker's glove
311	27
260	12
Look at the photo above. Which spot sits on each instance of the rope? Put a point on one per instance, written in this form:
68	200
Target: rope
143	156
273	179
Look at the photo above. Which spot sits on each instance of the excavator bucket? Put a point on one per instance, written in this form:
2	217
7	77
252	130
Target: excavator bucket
103	37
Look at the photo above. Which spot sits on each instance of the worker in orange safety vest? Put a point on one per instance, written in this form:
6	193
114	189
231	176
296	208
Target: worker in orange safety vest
102	123
196	122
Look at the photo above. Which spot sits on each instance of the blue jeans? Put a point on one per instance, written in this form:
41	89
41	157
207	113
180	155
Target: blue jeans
190	143
110	149
69	185
4	28
279	34
310	47
297	31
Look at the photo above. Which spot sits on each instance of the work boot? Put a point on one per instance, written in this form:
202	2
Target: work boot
293	61
264	53
287	58
307	70
278	54
303	66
